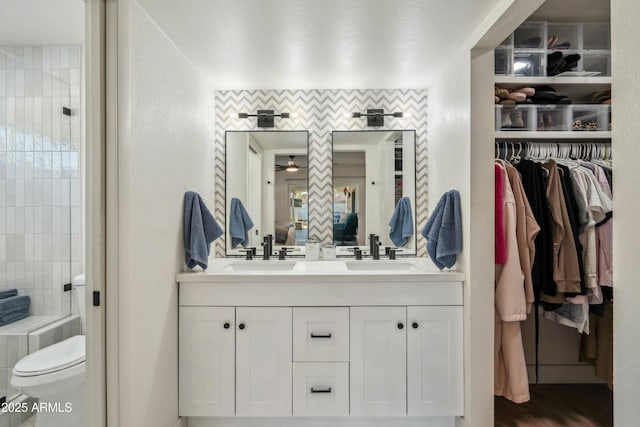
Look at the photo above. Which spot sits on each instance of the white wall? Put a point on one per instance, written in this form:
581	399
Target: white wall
460	156
625	16
165	132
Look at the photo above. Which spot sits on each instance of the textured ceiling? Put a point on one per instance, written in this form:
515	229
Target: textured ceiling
41	22
300	44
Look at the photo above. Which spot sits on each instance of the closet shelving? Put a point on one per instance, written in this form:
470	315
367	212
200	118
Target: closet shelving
521	61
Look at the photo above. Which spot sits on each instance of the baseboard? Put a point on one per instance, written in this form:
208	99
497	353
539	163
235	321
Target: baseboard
182	422
563	374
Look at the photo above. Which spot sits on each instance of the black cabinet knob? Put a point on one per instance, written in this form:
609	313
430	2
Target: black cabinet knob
400	325
415	325
226	325
241	326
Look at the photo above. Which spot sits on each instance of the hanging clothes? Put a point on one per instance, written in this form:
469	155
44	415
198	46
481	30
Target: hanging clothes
510	370
526	231
566	271
553	249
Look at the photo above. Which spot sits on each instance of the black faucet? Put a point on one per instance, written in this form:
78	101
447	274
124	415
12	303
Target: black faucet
270	241
282	253
374	246
267	247
250	252
357	252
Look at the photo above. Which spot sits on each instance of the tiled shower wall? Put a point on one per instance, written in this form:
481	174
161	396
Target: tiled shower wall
40	241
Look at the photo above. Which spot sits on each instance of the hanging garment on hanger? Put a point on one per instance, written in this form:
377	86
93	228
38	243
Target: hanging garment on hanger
572	214
510	373
604	233
526	231
500	245
566	271
533	183
587	236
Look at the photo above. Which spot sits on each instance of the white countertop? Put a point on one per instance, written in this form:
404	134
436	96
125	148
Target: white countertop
402	269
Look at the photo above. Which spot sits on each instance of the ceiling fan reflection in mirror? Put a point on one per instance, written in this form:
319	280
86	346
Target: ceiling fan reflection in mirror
291	166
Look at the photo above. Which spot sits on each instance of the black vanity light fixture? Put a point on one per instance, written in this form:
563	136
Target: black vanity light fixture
265	117
375	117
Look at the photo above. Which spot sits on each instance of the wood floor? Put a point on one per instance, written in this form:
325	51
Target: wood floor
558	405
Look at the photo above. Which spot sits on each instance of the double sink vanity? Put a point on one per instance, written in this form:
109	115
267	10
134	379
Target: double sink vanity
340	338
337	338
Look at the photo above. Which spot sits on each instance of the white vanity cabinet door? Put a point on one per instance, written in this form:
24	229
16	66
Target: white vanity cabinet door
207	361
435	361
263	361
378	361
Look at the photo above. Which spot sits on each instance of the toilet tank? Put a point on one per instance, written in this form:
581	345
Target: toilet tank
79	286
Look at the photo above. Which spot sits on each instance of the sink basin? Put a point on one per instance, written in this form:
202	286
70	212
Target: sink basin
266	266
380	266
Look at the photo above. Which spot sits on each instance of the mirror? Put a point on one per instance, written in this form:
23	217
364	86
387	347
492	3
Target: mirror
372	171
268	172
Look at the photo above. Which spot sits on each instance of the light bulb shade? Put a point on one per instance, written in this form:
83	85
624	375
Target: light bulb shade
284	115
356	115
398	114
243	115
292	168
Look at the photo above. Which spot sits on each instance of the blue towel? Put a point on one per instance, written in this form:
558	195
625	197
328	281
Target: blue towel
239	224
200	229
13	316
6	293
11	304
443	231
401	223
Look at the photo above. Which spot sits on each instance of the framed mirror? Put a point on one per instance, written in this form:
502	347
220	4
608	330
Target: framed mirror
267	174
372	171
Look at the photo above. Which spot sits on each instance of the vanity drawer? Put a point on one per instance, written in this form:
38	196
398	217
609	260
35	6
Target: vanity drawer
321	334
320	389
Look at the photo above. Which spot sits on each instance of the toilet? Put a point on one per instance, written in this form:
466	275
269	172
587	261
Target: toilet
55	375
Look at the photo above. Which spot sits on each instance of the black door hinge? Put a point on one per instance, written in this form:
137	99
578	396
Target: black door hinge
96	298
66	287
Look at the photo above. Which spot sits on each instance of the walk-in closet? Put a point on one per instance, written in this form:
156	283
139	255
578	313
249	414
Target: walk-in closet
554	215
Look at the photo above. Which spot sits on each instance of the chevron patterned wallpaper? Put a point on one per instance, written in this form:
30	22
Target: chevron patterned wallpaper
321	112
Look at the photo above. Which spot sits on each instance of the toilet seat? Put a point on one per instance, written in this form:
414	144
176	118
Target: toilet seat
53	358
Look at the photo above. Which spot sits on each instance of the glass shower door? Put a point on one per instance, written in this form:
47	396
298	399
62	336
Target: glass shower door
39	197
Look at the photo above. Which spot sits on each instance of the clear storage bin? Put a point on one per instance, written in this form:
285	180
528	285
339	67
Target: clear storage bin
508	42
600	63
503	61
552	118
515	118
530	35
566	36
596	36
588	117
529	64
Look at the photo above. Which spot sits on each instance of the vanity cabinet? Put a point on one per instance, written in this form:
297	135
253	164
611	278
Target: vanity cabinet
371	345
406	360
434	361
378	361
232	368
263	361
207	383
